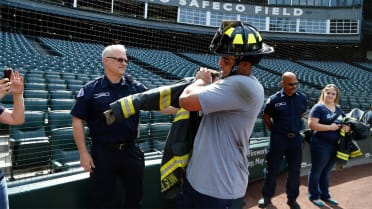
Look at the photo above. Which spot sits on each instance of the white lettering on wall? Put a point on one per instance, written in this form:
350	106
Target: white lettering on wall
257	10
275	11
205	4
240	8
194	3
297	12
216	6
255	153
233	7
285	13
182	3
227	7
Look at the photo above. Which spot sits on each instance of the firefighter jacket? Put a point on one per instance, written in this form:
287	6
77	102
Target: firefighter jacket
347	148
359	129
177	152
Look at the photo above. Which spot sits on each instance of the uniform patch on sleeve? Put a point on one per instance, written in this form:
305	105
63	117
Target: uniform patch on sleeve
81	93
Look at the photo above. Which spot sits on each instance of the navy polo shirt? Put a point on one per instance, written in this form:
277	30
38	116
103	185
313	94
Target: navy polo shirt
95	98
286	111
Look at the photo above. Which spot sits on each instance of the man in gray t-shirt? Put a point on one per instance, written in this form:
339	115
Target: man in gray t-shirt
218	170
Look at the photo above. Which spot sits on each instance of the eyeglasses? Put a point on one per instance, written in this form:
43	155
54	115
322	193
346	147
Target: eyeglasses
120	59
293	84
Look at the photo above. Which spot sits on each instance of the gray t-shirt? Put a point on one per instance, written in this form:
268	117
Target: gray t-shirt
219	163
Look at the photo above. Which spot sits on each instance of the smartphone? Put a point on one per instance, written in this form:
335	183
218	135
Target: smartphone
7	73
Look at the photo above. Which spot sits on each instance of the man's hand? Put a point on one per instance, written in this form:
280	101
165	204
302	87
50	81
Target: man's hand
86	162
204	74
16	83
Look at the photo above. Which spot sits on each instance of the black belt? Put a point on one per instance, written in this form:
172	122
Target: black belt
117	146
292	135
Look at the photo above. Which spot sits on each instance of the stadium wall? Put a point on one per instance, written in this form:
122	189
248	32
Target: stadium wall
72	191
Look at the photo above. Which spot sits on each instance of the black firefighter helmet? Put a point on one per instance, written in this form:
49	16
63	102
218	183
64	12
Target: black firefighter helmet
241	40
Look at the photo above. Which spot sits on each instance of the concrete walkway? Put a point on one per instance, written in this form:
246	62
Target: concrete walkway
351	187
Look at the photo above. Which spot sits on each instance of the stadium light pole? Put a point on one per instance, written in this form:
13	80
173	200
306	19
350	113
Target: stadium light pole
146	9
112	6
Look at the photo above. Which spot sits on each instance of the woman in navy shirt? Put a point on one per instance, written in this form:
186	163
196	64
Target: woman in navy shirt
326	124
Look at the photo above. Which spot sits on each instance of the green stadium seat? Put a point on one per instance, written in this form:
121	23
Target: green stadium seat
64	153
61	104
36	104
36	86
56	86
28	142
32	93
61	94
158	117
159	131
58	119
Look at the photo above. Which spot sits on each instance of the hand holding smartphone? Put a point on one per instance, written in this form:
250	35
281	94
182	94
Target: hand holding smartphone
7	73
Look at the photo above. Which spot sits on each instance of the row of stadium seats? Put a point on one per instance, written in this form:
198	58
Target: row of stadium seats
74	55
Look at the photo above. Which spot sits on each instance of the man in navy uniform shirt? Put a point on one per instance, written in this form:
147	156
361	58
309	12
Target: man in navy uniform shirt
114	152
283	117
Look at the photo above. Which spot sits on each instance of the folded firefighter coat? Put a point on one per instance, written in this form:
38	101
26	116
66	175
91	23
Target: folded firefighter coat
347	148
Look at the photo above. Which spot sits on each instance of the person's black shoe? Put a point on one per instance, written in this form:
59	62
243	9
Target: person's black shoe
263	202
293	204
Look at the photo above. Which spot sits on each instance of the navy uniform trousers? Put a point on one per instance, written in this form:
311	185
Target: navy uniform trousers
127	164
281	145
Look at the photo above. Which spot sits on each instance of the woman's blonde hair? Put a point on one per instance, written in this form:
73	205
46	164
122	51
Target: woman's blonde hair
324	91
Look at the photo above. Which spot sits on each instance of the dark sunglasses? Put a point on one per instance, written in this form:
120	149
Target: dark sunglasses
293	84
120	59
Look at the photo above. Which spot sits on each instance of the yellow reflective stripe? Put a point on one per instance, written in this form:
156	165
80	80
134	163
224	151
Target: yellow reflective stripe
342	132
259	37
174	163
251	39
181	114
127	107
356	153
342	155
229	31
165	97
238	39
